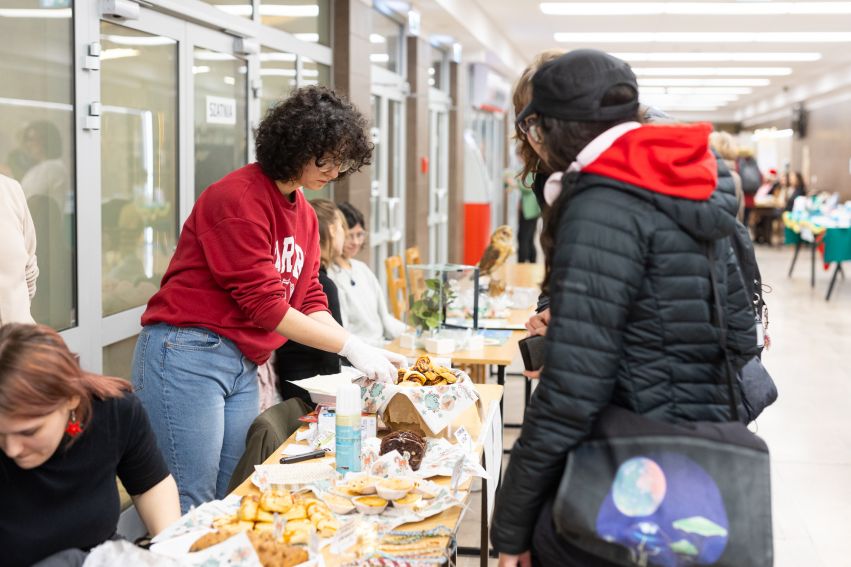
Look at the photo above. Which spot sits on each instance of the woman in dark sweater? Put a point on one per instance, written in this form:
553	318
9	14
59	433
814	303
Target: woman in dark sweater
295	361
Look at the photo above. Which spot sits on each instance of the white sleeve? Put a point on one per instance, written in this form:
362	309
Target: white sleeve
392	326
30	243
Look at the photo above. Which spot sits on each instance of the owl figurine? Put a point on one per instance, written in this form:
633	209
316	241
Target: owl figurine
495	255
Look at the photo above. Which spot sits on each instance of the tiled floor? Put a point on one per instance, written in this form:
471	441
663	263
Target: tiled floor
809	428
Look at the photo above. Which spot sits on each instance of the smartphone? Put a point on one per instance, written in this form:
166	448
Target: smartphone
533	351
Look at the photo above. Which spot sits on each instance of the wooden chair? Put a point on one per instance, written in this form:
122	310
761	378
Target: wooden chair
412	255
397	287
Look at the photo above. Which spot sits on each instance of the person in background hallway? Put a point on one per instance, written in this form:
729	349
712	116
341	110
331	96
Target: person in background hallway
294	361
65	435
725	146
245	278
362	301
527	220
46	184
770	193
18	262
796	188
751	177
626	199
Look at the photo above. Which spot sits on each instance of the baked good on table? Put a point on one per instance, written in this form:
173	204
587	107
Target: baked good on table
405	442
425	373
301	513
270	552
276	500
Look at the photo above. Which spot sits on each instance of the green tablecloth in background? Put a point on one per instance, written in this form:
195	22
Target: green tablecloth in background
837	243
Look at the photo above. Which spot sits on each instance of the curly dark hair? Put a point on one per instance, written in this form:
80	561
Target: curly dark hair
314	123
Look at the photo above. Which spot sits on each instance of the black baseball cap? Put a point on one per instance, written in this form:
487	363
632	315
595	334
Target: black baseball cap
573	86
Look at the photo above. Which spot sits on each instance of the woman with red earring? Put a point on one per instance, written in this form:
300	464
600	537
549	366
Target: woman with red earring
64	437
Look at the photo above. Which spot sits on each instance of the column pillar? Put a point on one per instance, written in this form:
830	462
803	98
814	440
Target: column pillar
458	93
351	68
417	146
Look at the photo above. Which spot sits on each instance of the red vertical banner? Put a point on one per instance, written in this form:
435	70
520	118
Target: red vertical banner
477	231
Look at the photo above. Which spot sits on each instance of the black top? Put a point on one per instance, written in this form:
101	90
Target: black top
72	501
295	361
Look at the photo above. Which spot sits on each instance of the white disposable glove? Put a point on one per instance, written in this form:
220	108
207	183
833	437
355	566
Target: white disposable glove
370	360
395	358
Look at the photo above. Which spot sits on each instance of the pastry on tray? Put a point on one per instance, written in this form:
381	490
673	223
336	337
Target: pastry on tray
425	373
301	513
271	553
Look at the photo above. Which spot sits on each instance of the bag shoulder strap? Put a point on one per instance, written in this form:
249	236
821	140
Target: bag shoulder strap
722	326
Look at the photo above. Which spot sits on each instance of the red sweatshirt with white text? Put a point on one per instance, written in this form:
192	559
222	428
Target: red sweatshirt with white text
246	254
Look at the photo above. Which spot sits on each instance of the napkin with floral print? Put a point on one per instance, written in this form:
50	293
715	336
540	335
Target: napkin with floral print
437	406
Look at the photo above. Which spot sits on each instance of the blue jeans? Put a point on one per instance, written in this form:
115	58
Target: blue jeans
201	395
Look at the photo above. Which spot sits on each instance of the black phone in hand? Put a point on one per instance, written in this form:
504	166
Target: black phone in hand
533	351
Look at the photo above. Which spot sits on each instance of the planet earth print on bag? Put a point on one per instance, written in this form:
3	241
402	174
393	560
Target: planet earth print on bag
666	510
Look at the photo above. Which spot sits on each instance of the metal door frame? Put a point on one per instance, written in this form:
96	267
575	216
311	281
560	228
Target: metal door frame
389	238
438	181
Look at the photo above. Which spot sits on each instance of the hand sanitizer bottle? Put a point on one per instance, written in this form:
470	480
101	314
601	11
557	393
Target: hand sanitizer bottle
348	428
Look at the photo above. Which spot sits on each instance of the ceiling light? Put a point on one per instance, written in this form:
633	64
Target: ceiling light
771	134
377	38
699	82
277	56
309	37
290	11
236	9
693	8
675	110
702	37
712	71
697	90
146	41
212	56
118	53
379	57
284	11
199	69
35	104
277	72
35	13
229	80
691	57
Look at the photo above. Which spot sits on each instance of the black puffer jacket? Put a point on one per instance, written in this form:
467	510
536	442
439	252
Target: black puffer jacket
631	305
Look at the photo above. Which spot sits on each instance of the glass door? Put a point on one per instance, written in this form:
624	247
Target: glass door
388	171
220	96
438	179
174	120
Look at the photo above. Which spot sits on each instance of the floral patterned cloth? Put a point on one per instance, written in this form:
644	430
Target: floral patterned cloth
438	406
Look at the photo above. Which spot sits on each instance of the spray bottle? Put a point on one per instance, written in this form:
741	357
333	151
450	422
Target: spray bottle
348	428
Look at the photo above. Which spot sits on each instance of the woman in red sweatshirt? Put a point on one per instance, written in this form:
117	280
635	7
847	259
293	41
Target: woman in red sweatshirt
244	280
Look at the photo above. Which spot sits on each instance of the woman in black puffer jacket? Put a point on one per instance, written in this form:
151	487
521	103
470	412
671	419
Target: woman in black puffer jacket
628	277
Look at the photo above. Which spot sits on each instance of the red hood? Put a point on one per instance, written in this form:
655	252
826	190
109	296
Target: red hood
671	159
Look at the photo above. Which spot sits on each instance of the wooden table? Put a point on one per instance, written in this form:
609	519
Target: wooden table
489	394
524	275
497	355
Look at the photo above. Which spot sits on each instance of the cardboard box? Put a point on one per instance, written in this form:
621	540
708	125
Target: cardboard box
400	414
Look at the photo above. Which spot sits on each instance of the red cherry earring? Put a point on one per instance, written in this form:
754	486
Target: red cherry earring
73	428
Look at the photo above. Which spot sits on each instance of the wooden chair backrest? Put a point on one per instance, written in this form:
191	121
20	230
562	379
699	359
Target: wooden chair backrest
412	255
397	286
